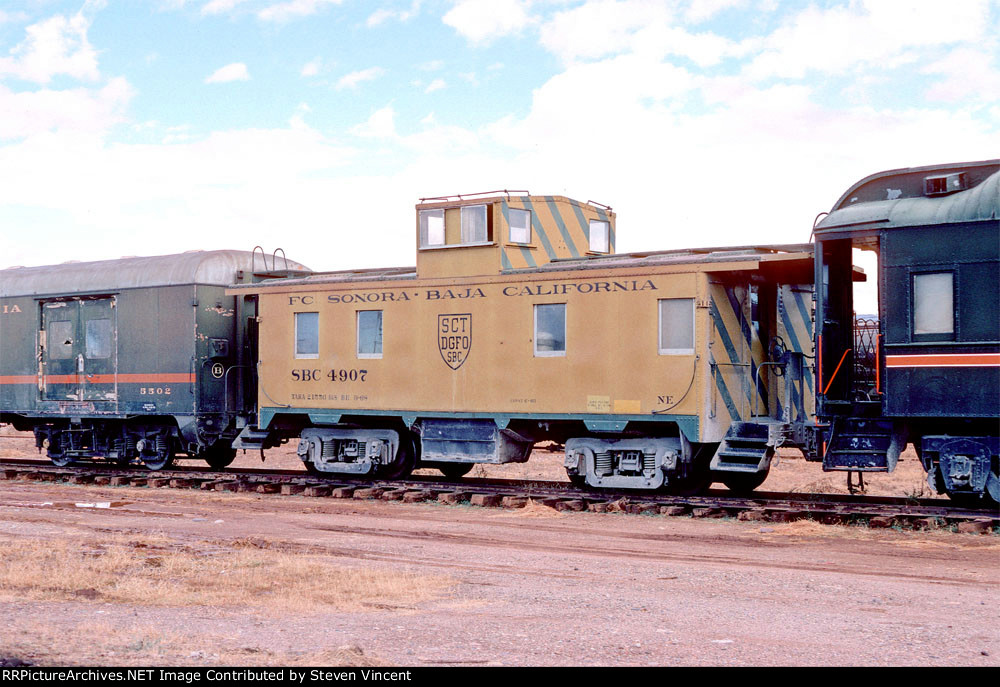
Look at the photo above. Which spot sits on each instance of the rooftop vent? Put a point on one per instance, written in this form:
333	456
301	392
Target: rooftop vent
945	184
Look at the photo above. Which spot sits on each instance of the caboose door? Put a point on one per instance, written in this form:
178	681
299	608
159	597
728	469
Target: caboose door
79	350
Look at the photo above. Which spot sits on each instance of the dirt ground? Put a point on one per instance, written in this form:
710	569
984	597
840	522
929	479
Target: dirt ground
118	576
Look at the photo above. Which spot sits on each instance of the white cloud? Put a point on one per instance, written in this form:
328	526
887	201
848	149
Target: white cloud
969	75
312	67
380	125
482	21
382	15
599	28
237	71
227	190
31	113
354	78
435	85
866	32
285	11
220	6
55	46
702	10
10	17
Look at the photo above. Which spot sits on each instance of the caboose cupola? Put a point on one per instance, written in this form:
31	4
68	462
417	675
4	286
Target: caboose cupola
495	232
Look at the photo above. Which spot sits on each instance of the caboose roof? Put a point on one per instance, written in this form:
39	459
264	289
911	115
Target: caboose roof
215	267
797	257
897	198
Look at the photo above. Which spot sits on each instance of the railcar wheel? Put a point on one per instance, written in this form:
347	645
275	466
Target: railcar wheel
218	455
455	470
404	463
56	453
578	481
967	500
158	456
742	483
61	460
692	485
158	462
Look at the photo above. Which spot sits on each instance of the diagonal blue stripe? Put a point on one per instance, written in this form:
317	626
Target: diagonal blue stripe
807	321
536	226
793	339
570	243
584	226
720	384
504	260
528	257
720	327
748	337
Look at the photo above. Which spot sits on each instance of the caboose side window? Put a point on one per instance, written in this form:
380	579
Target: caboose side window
474	224
550	330
307	335
369	333
599	232
520	226
933	303
676	326
431	228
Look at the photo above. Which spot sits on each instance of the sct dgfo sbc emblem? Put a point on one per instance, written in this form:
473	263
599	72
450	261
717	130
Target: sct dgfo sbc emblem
455	338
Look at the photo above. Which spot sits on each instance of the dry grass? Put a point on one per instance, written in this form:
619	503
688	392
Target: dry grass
150	572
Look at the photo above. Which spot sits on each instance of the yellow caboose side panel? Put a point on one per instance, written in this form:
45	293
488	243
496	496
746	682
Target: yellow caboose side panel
468	346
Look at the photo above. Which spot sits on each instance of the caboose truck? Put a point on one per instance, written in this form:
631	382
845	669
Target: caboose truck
520	324
133	360
933	375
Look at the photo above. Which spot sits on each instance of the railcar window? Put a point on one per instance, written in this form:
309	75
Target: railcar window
933	303
369	333
98	338
599	231
474	224
550	330
59	339
431	228
307	335
676	326
520	226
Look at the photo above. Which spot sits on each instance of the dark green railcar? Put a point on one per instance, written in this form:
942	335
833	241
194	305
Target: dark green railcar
134	360
931	375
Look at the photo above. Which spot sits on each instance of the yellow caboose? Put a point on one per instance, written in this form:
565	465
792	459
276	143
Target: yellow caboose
520	324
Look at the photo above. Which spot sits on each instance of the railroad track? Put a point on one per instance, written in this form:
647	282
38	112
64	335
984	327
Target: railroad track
506	493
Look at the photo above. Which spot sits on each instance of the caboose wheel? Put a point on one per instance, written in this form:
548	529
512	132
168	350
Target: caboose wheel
404	463
742	483
455	470
691	485
218	455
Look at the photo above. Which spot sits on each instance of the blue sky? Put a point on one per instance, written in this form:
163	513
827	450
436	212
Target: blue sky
131	128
